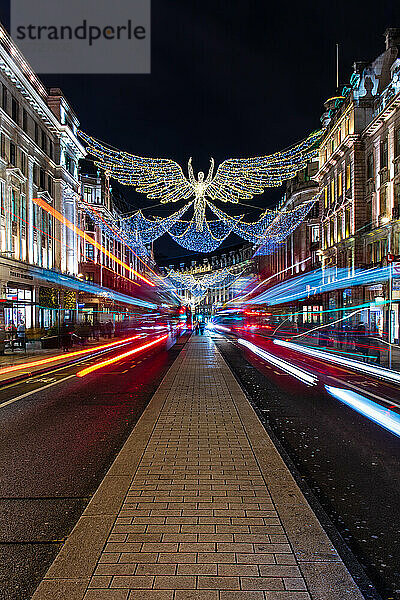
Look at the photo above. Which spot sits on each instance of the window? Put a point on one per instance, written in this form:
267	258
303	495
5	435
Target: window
369	254
14	110
370	166
348	176
87	193
14	207
396	201
69	164
23	162
346	126
4	98
42	181
12	154
89	225
24	120
332	191
51	149
43	144
384	154
348	221
35	174
326	196
383	201
89	251
340	184
315	233
36	133
397	142
23	211
50	184
3	145
2	197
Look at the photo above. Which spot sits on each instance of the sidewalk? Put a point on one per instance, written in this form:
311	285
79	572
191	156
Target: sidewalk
198	505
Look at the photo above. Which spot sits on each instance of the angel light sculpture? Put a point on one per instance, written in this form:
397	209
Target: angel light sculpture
235	178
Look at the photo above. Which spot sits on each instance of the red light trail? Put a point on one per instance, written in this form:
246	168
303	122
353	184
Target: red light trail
115	359
59	357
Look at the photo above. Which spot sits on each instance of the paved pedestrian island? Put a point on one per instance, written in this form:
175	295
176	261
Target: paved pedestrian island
198	505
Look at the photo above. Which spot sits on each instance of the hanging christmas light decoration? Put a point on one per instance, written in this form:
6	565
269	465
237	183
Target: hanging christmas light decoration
199	285
235	179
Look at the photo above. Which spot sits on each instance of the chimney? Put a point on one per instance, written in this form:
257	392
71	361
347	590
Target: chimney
392	37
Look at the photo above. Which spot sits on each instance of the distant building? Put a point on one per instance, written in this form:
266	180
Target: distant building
237	260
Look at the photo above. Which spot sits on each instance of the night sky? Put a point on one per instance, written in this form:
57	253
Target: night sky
232	78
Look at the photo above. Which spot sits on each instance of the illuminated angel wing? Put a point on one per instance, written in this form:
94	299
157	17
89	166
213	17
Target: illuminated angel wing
242	178
160	178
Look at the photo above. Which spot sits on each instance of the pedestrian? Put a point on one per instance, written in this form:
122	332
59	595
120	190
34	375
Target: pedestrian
65	334
21	335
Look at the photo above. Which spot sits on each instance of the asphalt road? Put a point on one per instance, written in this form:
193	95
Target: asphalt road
55	447
350	464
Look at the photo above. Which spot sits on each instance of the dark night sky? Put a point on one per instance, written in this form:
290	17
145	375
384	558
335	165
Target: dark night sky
231	78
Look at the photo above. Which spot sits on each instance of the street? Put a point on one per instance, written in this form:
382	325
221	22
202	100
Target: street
56	445
349	463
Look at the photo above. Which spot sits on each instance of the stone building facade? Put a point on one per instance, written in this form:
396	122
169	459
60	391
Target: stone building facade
39	154
359	180
48	274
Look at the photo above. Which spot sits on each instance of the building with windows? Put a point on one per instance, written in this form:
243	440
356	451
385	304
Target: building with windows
100	215
359	180
39	154
48	272
299	253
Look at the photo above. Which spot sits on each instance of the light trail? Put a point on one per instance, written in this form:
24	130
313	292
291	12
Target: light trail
57	215
380	372
115	359
53	359
237	299
380	415
289	368
219	327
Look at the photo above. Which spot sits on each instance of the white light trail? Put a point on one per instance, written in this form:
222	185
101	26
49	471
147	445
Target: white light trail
380	415
380	372
289	368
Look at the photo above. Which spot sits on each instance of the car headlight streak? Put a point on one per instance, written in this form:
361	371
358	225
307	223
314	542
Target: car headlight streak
380	372
380	415
300	374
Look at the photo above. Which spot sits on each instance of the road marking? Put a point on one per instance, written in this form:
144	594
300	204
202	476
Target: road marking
44	387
